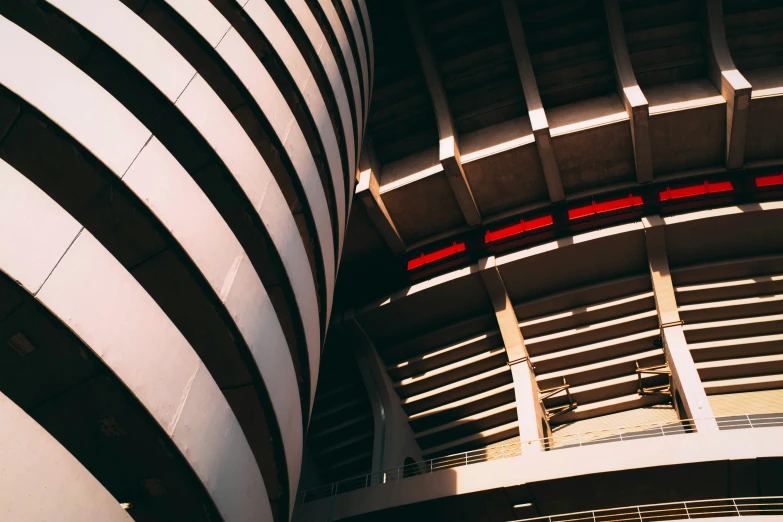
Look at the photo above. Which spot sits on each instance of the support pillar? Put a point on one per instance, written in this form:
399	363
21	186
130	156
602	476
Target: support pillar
686	383
530	413
448	144
633	98
734	88
394	439
368	191
535	108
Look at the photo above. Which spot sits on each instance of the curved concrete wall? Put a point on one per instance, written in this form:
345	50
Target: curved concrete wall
79	281
34	465
67	268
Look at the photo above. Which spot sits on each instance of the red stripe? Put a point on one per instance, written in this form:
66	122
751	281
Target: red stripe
605	206
695	190
769	181
425	259
517	228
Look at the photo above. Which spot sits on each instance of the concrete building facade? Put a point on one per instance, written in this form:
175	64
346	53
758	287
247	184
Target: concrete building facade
175	179
560	280
558	228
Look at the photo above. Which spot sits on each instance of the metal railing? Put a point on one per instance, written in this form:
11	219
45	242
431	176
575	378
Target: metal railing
724	507
555	442
756	420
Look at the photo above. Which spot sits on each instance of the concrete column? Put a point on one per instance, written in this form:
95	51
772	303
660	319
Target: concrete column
394	439
368	191
634	100
685	378
448	146
535	108
530	413
40	480
734	88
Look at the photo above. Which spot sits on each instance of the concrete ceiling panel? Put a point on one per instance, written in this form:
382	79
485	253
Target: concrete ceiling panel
747	232
572	264
435	307
596	156
424	207
765	137
508	179
688	139
470	336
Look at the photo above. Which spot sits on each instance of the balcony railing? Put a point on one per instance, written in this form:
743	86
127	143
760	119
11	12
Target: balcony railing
724	507
555	442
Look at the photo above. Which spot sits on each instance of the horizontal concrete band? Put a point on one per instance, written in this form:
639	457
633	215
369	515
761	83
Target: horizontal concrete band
268	23
550	466
182	208
65	268
206	20
340	35
361	48
34	465
365	18
566	242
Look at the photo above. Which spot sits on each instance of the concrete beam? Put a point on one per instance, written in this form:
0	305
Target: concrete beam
535	108
634	100
734	88
530	414
448	147
685	377
394	440
368	191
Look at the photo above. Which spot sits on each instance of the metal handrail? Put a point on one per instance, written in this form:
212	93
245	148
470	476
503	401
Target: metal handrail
738	506
555	442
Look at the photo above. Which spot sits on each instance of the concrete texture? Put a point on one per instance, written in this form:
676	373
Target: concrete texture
173	261
394	441
589	321
268	23
448	146
353	70
368	190
675	76
535	107
530	413
542	470
631	94
156	177
35	464
89	290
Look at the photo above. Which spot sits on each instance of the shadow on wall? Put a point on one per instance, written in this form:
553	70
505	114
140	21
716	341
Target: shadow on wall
410	468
